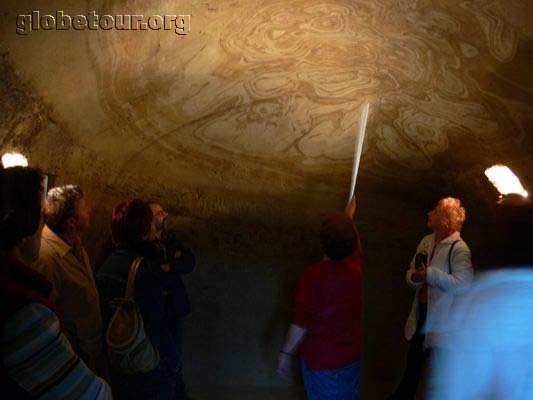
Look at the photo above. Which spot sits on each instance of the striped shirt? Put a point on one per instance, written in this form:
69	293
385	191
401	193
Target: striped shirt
39	358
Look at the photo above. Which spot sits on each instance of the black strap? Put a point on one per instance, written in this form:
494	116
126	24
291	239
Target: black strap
450	256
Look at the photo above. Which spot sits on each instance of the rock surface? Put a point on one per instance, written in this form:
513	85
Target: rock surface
244	130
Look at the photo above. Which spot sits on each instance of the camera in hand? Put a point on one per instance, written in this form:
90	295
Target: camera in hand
421	258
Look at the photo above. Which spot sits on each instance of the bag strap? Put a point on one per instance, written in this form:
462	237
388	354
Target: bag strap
450	256
130	287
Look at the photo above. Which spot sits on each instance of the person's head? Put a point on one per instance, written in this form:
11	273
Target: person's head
21	201
131	223
447	216
160	218
66	211
338	236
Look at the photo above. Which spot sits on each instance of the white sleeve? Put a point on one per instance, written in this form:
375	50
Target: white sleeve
462	272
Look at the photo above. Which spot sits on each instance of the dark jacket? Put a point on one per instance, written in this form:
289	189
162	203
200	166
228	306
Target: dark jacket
163	252
150	289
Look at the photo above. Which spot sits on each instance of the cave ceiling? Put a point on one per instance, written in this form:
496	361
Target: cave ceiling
268	94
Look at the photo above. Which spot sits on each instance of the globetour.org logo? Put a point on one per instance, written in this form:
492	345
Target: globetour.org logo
34	21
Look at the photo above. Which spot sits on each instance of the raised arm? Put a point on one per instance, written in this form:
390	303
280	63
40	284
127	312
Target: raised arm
349	211
351	207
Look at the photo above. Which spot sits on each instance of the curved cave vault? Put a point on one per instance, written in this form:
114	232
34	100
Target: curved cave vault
244	130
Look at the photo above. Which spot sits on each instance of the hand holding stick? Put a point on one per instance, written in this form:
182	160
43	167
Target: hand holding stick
349	211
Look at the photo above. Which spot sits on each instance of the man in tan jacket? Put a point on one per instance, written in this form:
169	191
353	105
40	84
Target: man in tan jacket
65	263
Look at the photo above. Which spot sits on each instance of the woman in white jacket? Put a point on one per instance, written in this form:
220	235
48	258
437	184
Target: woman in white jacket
445	265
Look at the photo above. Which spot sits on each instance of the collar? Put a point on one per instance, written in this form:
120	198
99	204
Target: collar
452	238
57	244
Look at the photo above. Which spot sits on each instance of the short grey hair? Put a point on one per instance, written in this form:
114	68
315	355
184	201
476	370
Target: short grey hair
60	205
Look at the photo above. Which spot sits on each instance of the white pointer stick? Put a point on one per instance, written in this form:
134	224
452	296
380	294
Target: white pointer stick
358	148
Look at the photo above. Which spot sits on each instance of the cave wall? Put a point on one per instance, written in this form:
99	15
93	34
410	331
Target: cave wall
243	130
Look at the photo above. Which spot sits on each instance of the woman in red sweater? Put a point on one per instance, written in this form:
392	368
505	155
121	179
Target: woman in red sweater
326	323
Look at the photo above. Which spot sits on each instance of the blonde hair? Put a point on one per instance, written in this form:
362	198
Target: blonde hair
455	213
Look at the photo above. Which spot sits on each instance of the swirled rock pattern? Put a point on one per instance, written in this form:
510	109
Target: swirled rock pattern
281	83
285	81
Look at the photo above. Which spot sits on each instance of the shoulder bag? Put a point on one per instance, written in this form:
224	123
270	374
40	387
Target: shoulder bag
128	348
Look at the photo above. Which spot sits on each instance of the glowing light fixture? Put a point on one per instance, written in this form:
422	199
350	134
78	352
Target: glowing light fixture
14	160
504	180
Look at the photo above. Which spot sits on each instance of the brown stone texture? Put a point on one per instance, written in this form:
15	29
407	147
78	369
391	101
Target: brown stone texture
244	130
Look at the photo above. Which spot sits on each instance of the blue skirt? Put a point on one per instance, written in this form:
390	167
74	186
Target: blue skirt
334	384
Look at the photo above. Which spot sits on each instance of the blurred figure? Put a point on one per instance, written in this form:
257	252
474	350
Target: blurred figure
65	263
326	324
175	261
441	265
489	339
133	236
37	359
